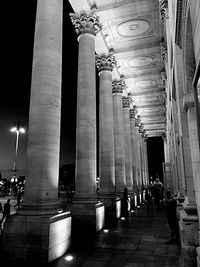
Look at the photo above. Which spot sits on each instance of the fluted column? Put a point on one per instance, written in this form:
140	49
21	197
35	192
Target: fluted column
86	210
141	152
42	167
188	102
138	153
105	65
86	26
134	149
128	151
146	161
35	230
119	139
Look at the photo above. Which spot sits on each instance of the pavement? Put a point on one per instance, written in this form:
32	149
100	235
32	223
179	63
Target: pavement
137	241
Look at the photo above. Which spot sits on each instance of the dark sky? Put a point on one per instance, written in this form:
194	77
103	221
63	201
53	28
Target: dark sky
155	150
18	37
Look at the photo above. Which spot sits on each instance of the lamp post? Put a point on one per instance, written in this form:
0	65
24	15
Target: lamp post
17	129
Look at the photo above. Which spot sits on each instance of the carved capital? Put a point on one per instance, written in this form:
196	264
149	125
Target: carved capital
86	22
118	86
137	122
163	47
179	23
141	128
144	135
163	5
132	113
126	101
164	77
164	95
105	62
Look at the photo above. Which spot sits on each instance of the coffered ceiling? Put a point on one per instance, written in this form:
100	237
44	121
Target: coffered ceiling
134	30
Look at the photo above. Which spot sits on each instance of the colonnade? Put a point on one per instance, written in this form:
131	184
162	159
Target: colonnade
122	153
117	139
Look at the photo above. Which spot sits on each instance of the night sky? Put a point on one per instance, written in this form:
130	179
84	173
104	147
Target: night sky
17	52
18	37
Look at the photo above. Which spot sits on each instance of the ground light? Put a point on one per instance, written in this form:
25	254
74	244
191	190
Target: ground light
132	211
106	230
122	218
69	258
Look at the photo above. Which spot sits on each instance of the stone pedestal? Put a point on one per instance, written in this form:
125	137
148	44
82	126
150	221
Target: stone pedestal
188	225
89	214
112	209
37	239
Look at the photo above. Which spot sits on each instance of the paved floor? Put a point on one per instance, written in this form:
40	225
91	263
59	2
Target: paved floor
138	241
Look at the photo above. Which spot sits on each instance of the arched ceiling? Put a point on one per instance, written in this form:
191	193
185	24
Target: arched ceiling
134	30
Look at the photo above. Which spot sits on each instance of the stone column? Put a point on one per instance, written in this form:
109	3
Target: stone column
40	216
146	161
105	65
188	102
134	150
141	154
119	138
84	206
137	121
141	131
166	157
134	157
187	161
145	158
128	153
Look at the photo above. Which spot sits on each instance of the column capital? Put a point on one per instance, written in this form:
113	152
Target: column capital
126	101
141	128
163	47
137	122
163	5
86	22
164	77
105	62
132	113
118	86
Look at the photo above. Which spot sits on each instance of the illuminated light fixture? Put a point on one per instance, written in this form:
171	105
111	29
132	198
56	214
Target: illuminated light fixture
60	211
132	211
106	230
18	129
138	207
122	218
69	258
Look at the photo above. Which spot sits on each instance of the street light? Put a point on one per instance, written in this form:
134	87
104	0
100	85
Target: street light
17	129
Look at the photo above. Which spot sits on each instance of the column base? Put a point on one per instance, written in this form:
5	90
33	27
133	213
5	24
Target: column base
88	214
36	239
188	226
112	208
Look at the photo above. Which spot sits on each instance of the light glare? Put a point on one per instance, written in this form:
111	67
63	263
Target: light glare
69	258
13	129
22	130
